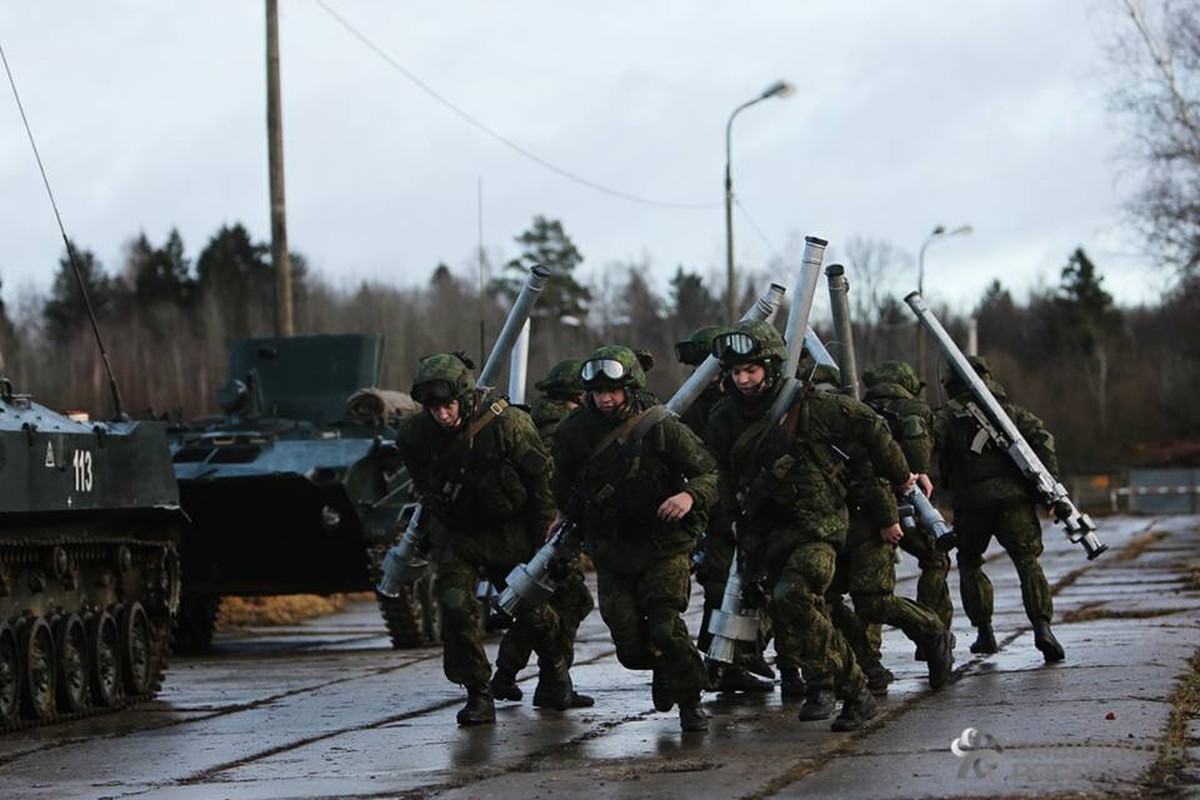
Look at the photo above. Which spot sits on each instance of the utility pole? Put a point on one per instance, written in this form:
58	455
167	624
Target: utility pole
284	325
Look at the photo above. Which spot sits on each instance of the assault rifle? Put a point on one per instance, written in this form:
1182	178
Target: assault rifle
995	425
533	583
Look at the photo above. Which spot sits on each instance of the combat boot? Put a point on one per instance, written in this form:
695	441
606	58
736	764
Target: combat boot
939	650
818	704
855	712
692	718
660	693
479	710
554	687
879	678
919	654
985	642
791	685
1044	640
504	686
736	679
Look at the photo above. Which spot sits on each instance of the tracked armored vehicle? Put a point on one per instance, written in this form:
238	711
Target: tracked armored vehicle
289	492
89	570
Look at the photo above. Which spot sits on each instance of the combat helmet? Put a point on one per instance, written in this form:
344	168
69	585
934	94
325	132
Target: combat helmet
698	345
955	385
613	366
751	342
823	372
442	378
895	372
563	379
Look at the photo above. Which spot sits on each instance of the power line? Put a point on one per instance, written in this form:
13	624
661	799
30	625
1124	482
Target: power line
473	121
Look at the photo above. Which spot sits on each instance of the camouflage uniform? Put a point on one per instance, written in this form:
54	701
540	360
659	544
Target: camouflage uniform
614	492
572	600
489	505
992	498
790	483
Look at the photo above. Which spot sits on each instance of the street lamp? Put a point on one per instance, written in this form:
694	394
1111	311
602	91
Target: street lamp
939	232
779	89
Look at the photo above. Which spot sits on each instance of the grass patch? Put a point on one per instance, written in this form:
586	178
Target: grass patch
1165	777
1139	544
287	609
1098	610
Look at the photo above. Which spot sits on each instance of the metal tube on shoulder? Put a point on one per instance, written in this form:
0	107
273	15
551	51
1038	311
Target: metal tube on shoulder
839	303
520	312
1078	526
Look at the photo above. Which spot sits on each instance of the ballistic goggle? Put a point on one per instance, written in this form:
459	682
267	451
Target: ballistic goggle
732	346
598	368
691	353
437	392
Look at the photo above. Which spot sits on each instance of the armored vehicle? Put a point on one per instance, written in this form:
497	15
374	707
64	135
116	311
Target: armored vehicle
89	571
289	491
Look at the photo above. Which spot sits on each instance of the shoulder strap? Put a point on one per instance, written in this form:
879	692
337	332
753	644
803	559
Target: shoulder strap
632	429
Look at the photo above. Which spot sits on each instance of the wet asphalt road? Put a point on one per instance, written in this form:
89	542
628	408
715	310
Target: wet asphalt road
327	709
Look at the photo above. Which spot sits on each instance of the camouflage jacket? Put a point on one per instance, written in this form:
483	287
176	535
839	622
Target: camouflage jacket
500	479
696	415
910	421
547	412
976	472
614	495
792	492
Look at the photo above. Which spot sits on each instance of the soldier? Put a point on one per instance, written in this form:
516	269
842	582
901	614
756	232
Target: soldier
992	498
483	474
715	551
789	483
893	389
562	393
639	484
866	570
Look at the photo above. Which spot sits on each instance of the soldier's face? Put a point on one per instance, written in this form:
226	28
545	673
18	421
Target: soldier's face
608	400
750	379
445	415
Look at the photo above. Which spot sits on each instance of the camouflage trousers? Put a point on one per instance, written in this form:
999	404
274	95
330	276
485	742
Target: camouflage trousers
571	601
867	572
463	658
804	633
932	590
642	611
1016	527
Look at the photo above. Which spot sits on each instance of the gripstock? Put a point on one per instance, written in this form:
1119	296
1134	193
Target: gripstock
532	583
403	563
1078	526
735	621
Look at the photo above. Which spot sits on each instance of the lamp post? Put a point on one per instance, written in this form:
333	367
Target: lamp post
779	89
939	232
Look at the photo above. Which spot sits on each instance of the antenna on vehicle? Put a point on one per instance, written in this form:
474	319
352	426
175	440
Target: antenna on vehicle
118	412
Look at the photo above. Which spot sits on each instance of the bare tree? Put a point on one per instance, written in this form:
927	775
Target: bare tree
1156	55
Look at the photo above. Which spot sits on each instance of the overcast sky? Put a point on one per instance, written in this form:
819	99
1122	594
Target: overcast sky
907	115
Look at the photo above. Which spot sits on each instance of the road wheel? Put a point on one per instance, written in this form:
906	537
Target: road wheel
137	658
10	676
70	639
40	668
104	646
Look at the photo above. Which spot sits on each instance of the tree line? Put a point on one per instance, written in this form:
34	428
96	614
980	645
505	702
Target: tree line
1106	379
